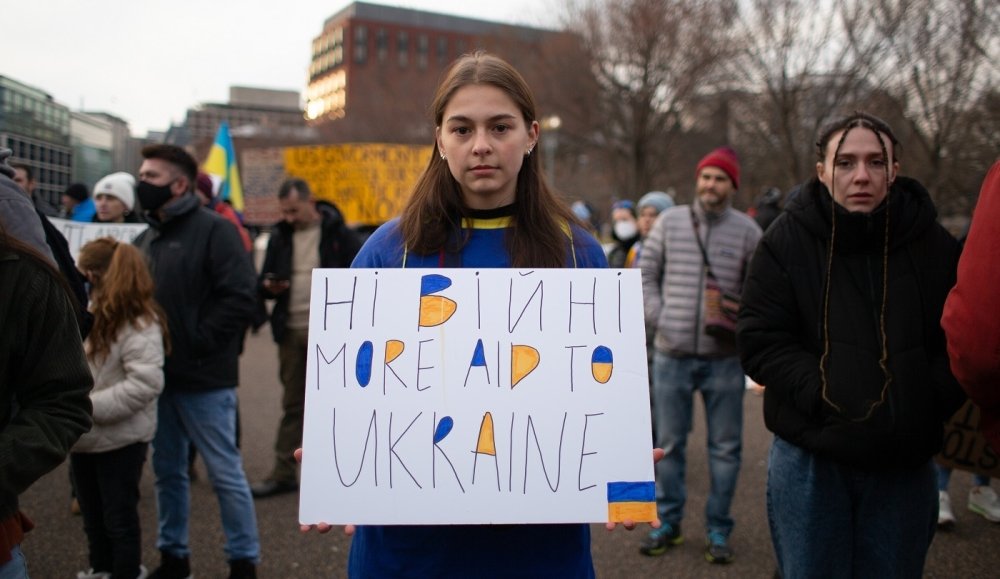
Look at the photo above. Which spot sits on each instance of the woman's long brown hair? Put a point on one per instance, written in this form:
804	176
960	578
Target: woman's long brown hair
122	293
435	210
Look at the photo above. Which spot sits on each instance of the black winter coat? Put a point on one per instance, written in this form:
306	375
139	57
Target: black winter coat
337	247
44	378
866	417
205	284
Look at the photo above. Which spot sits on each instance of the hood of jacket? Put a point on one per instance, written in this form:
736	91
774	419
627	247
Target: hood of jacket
907	208
6	169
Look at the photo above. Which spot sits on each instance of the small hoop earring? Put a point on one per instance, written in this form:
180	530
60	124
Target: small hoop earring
528	152
444	157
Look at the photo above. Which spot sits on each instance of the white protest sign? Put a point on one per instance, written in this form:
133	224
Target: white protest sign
78	233
467	396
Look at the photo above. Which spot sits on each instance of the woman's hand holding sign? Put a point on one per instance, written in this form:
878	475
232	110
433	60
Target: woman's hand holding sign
321	527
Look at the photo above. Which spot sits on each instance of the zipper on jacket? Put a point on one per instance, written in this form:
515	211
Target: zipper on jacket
873	292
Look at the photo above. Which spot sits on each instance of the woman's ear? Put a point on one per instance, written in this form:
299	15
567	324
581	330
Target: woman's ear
437	140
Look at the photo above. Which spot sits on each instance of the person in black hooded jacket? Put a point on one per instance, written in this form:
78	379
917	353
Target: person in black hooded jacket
839	321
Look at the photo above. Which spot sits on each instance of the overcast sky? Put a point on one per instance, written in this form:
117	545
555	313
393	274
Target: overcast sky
148	61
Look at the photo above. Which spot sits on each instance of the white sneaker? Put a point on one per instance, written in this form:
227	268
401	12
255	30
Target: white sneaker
89	574
946	519
983	501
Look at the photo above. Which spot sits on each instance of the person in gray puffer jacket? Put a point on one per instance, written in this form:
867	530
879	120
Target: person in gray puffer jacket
686	358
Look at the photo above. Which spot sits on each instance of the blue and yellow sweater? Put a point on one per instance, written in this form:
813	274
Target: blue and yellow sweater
471	550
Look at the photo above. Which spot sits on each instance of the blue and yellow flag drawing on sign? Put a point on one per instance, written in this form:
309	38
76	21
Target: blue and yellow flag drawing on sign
631	501
222	167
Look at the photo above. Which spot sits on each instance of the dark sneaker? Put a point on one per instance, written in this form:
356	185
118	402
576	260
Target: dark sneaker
172	567
659	540
718	550
242	569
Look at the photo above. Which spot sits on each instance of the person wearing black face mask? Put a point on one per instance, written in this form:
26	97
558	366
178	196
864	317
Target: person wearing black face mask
196	254
153	197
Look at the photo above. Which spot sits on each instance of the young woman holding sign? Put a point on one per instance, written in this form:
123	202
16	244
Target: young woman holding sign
481	202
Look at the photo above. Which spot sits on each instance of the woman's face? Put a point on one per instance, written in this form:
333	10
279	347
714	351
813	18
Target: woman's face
647	217
110	209
857	176
485	139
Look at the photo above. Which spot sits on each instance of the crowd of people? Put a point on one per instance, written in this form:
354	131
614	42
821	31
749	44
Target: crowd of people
832	302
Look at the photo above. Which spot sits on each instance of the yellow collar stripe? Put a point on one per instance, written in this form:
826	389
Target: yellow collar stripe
501	223
495	223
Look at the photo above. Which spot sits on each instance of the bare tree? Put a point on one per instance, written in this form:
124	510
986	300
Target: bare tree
791	74
935	61
649	58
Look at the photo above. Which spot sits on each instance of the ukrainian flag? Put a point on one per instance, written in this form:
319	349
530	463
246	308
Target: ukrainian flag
222	167
631	501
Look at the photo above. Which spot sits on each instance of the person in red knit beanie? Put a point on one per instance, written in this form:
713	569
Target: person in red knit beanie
688	247
724	158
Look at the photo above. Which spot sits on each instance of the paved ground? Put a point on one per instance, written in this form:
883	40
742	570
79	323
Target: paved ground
56	549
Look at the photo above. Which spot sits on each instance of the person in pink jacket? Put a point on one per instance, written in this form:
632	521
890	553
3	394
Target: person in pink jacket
971	318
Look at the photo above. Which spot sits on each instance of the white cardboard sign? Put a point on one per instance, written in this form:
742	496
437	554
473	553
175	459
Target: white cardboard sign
78	233
468	396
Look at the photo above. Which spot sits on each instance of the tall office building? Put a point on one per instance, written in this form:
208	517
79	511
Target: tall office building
92	140
124	152
374	68
250	112
37	129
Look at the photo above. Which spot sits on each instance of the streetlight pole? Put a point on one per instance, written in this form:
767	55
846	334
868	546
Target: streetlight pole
550	143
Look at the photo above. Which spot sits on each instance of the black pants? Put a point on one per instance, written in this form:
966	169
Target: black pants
107	486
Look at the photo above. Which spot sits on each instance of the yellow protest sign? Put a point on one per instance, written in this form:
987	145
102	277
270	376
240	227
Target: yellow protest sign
369	182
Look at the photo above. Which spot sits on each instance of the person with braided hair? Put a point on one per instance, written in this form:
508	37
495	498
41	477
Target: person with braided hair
839	320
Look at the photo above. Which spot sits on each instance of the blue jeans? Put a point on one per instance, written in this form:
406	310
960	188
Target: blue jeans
721	383
944	477
207	419
832	520
17	567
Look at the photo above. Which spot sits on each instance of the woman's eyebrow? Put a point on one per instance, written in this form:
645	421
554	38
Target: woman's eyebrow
466	119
